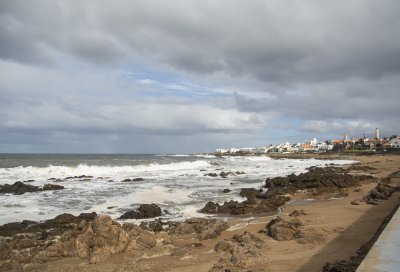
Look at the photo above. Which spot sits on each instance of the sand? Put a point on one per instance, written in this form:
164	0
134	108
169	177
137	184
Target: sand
341	227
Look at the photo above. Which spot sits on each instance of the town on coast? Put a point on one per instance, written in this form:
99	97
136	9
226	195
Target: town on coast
364	144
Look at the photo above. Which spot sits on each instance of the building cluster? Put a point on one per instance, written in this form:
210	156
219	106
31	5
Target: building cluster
313	146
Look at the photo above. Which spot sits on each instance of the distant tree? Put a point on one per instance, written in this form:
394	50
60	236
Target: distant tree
393	137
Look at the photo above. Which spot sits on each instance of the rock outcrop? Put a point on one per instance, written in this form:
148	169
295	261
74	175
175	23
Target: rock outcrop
19	188
318	179
204	228
240	251
282	230
380	192
144	211
92	240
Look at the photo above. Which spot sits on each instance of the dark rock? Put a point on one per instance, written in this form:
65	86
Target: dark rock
319	179
271	204
18	188
226	174
88	216
83	177
231	207
211	175
354	203
250	193
144	211
226	191
282	230
131	180
381	192
50	187
10	229
130	215
29	180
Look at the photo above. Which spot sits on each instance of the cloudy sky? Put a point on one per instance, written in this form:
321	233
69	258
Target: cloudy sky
186	76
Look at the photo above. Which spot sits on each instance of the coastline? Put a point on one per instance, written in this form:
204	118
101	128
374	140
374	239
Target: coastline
342	228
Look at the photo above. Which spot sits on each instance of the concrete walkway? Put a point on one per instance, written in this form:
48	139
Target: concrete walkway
384	255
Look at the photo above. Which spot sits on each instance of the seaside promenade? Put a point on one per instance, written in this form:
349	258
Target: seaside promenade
384	254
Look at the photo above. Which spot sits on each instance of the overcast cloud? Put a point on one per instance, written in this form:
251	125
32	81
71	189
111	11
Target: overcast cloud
184	76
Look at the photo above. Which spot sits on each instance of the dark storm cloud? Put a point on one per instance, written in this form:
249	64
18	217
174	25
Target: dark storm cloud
273	41
330	64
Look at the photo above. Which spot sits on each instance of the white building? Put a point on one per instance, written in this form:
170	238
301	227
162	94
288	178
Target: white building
395	142
221	151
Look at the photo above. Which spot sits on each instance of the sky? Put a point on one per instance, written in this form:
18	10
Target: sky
186	76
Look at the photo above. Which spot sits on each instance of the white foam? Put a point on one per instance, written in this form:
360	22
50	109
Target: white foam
159	194
30	172
179	187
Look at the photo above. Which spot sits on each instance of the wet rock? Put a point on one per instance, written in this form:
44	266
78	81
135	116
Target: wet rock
29	180
380	192
211	175
319	179
83	177
10	229
226	174
231	207
144	211
282	230
271	204
88	216
18	188
250	193
132	180
225	191
50	187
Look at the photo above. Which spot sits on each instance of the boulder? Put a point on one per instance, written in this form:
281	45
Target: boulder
282	230
270	204
226	174
231	207
144	211
18	188
317	178
380	192
50	187
204	228
225	191
131	180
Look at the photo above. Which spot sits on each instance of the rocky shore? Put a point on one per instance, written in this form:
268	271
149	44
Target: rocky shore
276	235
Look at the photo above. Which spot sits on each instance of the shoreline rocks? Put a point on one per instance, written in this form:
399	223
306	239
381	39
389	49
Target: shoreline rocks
318	179
144	211
20	188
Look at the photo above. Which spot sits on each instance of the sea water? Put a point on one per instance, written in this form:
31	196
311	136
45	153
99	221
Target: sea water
177	183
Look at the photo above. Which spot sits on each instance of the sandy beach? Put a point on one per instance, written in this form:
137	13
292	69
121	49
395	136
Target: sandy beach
333	229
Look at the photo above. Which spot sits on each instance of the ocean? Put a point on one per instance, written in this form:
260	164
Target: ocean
177	183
